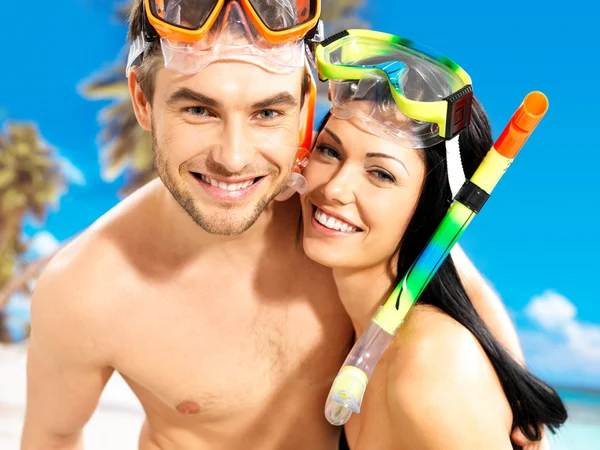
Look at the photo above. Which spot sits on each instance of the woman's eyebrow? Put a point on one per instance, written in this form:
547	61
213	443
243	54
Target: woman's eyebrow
334	136
385	155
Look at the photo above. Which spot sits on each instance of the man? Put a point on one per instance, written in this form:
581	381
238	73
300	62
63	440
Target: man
194	288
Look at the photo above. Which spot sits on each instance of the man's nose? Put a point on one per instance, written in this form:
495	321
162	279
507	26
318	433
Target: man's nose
236	150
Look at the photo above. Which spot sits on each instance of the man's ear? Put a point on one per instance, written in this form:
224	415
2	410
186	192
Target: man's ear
141	105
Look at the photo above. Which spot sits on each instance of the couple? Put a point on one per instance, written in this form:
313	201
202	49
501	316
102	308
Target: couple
228	312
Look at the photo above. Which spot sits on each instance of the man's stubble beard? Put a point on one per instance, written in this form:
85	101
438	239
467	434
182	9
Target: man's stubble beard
223	224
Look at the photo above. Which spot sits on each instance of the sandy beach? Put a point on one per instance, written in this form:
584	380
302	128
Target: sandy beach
120	412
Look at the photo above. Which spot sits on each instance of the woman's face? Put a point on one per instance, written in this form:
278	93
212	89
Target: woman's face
362	193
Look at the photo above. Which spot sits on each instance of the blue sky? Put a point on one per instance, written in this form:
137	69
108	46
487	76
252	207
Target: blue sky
534	240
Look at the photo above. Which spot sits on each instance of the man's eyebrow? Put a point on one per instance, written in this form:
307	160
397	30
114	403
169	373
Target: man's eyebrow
385	155
281	99
187	94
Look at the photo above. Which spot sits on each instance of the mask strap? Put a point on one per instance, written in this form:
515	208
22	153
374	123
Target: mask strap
456	173
136	50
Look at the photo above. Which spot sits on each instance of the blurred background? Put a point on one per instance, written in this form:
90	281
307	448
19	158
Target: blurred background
70	149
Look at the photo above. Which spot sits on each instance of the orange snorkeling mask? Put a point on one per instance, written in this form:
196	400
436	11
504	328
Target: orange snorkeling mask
277	21
194	33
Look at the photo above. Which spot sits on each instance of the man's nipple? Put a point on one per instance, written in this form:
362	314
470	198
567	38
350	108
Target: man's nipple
188	407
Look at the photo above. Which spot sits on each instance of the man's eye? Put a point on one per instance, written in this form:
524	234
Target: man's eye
198	110
268	114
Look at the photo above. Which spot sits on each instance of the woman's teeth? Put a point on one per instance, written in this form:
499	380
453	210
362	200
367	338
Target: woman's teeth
333	223
226	186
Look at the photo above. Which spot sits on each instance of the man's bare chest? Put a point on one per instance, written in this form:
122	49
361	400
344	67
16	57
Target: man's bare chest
213	353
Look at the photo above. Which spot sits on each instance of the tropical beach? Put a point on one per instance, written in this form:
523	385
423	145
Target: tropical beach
71	149
116	423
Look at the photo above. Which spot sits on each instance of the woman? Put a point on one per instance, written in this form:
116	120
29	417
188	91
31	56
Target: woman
378	186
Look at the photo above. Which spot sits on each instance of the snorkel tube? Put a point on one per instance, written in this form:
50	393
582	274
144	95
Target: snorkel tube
296	182
346	394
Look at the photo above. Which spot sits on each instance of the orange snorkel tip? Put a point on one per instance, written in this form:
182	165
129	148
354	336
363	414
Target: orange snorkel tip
522	124
306	133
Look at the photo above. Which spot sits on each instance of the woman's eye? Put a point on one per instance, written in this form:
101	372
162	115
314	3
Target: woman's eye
328	152
382	175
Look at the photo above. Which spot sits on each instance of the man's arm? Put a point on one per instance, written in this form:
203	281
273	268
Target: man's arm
487	303
67	366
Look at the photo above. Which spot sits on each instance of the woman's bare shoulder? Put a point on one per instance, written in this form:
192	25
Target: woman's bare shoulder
430	337
441	385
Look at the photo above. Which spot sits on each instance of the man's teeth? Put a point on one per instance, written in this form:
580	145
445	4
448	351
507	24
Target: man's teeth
227	186
333	223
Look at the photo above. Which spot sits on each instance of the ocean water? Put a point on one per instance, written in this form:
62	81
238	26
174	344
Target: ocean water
582	430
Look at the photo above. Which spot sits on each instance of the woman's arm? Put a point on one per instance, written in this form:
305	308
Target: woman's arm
488	304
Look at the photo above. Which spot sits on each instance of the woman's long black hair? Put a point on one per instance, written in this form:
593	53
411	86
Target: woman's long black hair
533	402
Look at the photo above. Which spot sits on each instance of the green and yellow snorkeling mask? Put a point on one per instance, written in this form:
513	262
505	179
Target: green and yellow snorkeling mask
397	88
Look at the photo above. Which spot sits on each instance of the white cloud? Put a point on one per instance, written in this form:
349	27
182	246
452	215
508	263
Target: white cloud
584	340
561	347
551	310
71	172
43	243
18	307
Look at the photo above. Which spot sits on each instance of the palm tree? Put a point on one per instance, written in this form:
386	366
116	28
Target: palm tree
340	15
125	148
30	181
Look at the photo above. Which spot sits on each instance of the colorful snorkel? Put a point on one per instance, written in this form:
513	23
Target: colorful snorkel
346	394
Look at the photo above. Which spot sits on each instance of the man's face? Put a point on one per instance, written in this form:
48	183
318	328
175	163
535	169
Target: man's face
225	140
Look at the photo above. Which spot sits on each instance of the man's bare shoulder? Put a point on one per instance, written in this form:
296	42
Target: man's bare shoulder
105	248
83	285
